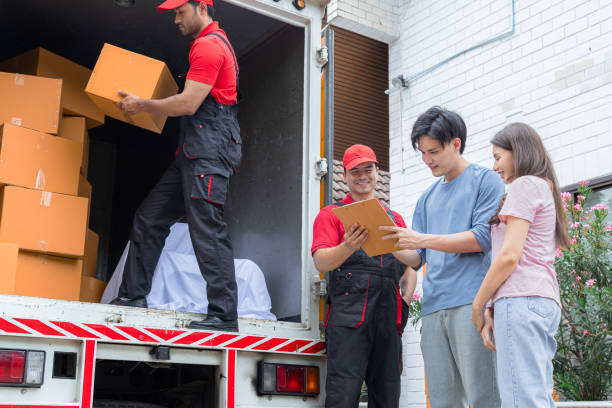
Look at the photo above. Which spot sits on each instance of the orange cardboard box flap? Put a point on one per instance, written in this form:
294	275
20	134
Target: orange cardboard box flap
44	63
371	215
43	221
75	128
91	289
37	160
30	101
33	274
90	260
134	73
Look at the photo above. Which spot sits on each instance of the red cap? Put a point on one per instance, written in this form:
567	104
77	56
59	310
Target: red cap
172	4
358	154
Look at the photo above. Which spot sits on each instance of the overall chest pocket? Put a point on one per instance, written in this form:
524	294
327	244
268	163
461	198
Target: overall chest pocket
348	298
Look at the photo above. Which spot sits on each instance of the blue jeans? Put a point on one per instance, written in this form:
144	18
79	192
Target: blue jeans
525	329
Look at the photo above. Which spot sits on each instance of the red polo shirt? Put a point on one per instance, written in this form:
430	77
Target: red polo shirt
212	63
328	231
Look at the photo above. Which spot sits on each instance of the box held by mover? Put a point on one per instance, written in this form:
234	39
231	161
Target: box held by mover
119	69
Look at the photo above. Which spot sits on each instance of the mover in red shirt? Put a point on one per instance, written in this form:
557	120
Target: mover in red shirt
367	313
196	183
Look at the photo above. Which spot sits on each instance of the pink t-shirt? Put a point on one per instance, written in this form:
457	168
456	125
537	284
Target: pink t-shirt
530	198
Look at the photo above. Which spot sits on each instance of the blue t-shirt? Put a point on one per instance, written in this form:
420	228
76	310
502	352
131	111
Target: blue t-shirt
466	203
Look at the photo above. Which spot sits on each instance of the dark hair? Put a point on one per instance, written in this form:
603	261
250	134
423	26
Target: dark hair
210	10
531	159
440	124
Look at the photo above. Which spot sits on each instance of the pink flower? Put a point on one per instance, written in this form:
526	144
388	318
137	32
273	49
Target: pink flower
578	207
416	296
581	198
573	285
601	326
587	226
609	227
583	182
566	196
558	253
574	225
586	332
573	241
577	278
600	207
573	272
590	282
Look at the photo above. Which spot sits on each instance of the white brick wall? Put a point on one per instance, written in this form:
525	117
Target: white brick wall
371	18
554	73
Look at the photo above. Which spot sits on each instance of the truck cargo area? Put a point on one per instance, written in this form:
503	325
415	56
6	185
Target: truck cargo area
265	206
138	384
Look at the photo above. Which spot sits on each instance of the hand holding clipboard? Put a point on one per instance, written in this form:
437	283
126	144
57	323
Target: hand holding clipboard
371	215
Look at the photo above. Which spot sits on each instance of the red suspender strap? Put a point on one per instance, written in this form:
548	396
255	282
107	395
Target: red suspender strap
399	309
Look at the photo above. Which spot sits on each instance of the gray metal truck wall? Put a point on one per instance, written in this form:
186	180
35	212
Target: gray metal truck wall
264	209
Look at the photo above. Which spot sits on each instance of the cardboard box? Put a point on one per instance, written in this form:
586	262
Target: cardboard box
43	221
30	101
119	69
75	128
91	289
33	274
39	161
85	188
44	63
85	191
90	260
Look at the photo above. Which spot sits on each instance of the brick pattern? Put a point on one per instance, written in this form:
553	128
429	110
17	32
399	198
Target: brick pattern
375	19
554	73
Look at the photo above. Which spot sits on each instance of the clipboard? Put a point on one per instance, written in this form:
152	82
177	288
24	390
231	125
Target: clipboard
371	215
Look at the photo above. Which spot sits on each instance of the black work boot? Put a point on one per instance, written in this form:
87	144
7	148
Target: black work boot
136	302
215	323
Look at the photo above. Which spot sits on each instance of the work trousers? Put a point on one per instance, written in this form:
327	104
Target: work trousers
365	346
184	191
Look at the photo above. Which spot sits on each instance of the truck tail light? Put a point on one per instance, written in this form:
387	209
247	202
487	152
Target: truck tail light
287	379
12	366
22	367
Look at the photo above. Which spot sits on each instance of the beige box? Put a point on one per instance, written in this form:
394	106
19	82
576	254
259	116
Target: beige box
92	289
39	161
26	273
90	260
119	69
44	63
30	101
42	221
75	128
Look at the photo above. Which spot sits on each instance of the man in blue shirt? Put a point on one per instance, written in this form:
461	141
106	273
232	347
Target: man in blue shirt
450	233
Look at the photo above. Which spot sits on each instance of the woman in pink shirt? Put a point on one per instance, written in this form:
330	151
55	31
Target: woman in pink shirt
520	288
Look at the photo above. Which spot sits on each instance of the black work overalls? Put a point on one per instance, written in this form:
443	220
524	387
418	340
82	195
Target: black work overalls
196	186
364	325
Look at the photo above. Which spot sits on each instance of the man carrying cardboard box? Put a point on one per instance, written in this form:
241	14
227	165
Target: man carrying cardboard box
196	183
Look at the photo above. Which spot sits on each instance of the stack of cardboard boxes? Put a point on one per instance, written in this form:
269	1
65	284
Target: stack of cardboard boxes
46	248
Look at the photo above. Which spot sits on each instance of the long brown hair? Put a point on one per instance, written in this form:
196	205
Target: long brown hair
531	159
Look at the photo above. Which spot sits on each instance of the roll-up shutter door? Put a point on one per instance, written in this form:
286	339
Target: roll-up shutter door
361	108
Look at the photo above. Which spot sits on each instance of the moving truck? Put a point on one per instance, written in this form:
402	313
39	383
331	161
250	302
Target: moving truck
60	353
